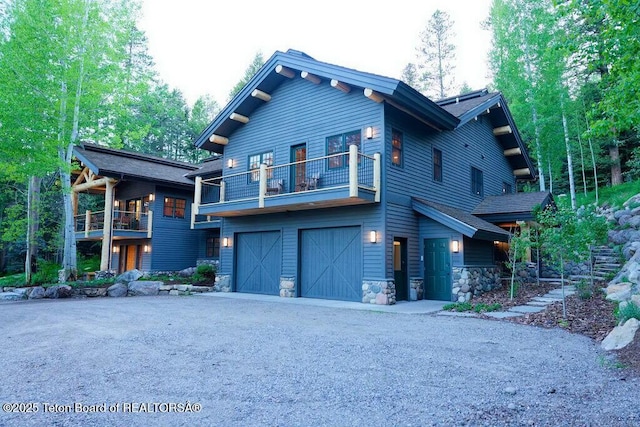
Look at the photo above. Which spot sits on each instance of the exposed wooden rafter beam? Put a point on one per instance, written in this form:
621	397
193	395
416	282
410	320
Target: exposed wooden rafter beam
92	184
522	172
82	175
239	118
340	86
502	130
219	139
311	77
284	71
257	93
513	152
373	95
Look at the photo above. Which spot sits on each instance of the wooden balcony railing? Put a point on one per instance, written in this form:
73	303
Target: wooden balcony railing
122	220
352	170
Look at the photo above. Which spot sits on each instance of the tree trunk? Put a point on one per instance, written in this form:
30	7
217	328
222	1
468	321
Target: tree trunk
33	224
534	115
567	142
616	169
595	170
584	174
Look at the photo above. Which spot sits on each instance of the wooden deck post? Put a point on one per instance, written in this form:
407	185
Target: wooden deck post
353	170
376	175
149	224
87	223
263	185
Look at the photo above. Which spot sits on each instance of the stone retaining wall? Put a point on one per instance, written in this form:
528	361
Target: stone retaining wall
381	292
287	286
472	280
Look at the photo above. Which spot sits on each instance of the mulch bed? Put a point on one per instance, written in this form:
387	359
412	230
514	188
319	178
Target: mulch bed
592	316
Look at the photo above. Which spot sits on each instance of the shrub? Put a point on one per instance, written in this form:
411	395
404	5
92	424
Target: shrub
204	273
627	310
47	273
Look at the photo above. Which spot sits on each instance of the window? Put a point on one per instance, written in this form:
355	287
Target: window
437	165
174	208
255	160
340	144
396	148
476	182
213	247
506	188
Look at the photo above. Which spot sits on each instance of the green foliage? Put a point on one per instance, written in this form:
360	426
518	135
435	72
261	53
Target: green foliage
613	195
584	288
468	306
17	280
252	69
436	56
89	264
625	311
47	273
204	273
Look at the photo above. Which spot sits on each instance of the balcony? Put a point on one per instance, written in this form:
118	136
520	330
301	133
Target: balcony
124	224
343	179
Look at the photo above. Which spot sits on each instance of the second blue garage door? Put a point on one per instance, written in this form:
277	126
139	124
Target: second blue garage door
331	263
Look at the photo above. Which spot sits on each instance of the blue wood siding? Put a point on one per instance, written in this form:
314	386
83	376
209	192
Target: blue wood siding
290	224
302	112
174	246
330	263
478	252
127	190
473	145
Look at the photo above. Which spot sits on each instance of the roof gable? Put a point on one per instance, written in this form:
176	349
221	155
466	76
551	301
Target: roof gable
294	64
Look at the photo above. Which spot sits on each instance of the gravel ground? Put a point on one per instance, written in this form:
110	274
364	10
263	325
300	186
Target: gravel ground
254	363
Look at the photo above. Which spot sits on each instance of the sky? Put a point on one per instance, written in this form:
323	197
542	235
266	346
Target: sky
204	46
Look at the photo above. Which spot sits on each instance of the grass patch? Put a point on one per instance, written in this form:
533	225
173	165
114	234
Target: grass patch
16	280
625	311
614	196
467	306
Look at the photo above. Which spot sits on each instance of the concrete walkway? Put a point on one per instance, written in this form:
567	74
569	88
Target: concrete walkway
403	307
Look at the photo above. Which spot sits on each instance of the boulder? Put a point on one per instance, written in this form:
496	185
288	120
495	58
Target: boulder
118	290
11	296
635	200
37	292
58	291
621	336
619	292
144	288
129	276
620	213
187	272
94	292
634	221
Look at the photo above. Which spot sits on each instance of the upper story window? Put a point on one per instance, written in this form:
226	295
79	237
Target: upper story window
340	144
437	165
255	160
174	207
396	147
506	188
477	185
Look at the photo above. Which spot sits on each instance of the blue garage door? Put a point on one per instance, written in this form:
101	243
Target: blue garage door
331	263
258	258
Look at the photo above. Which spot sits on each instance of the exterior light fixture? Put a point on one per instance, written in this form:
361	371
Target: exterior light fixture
115	249
146	248
151	197
455	246
230	163
369	132
116	203
373	236
225	242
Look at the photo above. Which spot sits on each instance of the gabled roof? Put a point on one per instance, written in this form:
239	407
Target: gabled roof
512	207
471	105
210	167
127	165
460	221
267	79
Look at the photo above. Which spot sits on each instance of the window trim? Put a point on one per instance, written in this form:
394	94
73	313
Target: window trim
254	173
399	148
213	243
506	186
437	166
477	185
339	162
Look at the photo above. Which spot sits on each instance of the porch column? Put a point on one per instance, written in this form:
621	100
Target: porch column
353	170
263	185
107	227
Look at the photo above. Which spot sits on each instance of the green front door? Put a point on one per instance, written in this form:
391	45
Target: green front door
437	269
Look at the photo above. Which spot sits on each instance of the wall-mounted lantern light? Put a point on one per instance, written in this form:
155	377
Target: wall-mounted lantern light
368	132
225	242
115	249
147	248
455	246
373	236
230	163
151	197
116	203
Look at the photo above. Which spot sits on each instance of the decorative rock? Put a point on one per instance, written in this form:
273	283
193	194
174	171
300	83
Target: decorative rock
174	292
144	288
465	288
382	299
11	296
21	291
619	292
413	294
118	290
37	292
511	390
94	292
166	288
183	287
201	289
58	291
129	276
635	299
187	272
621	336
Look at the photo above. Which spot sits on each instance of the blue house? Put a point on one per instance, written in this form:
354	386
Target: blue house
341	184
147	221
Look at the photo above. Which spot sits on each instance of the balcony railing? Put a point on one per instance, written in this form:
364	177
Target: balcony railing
121	221
352	170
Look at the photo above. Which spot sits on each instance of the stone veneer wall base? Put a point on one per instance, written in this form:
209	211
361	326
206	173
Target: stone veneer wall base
288	286
471	280
379	291
222	283
416	289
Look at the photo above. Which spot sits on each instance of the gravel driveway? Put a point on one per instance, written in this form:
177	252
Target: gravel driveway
217	361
